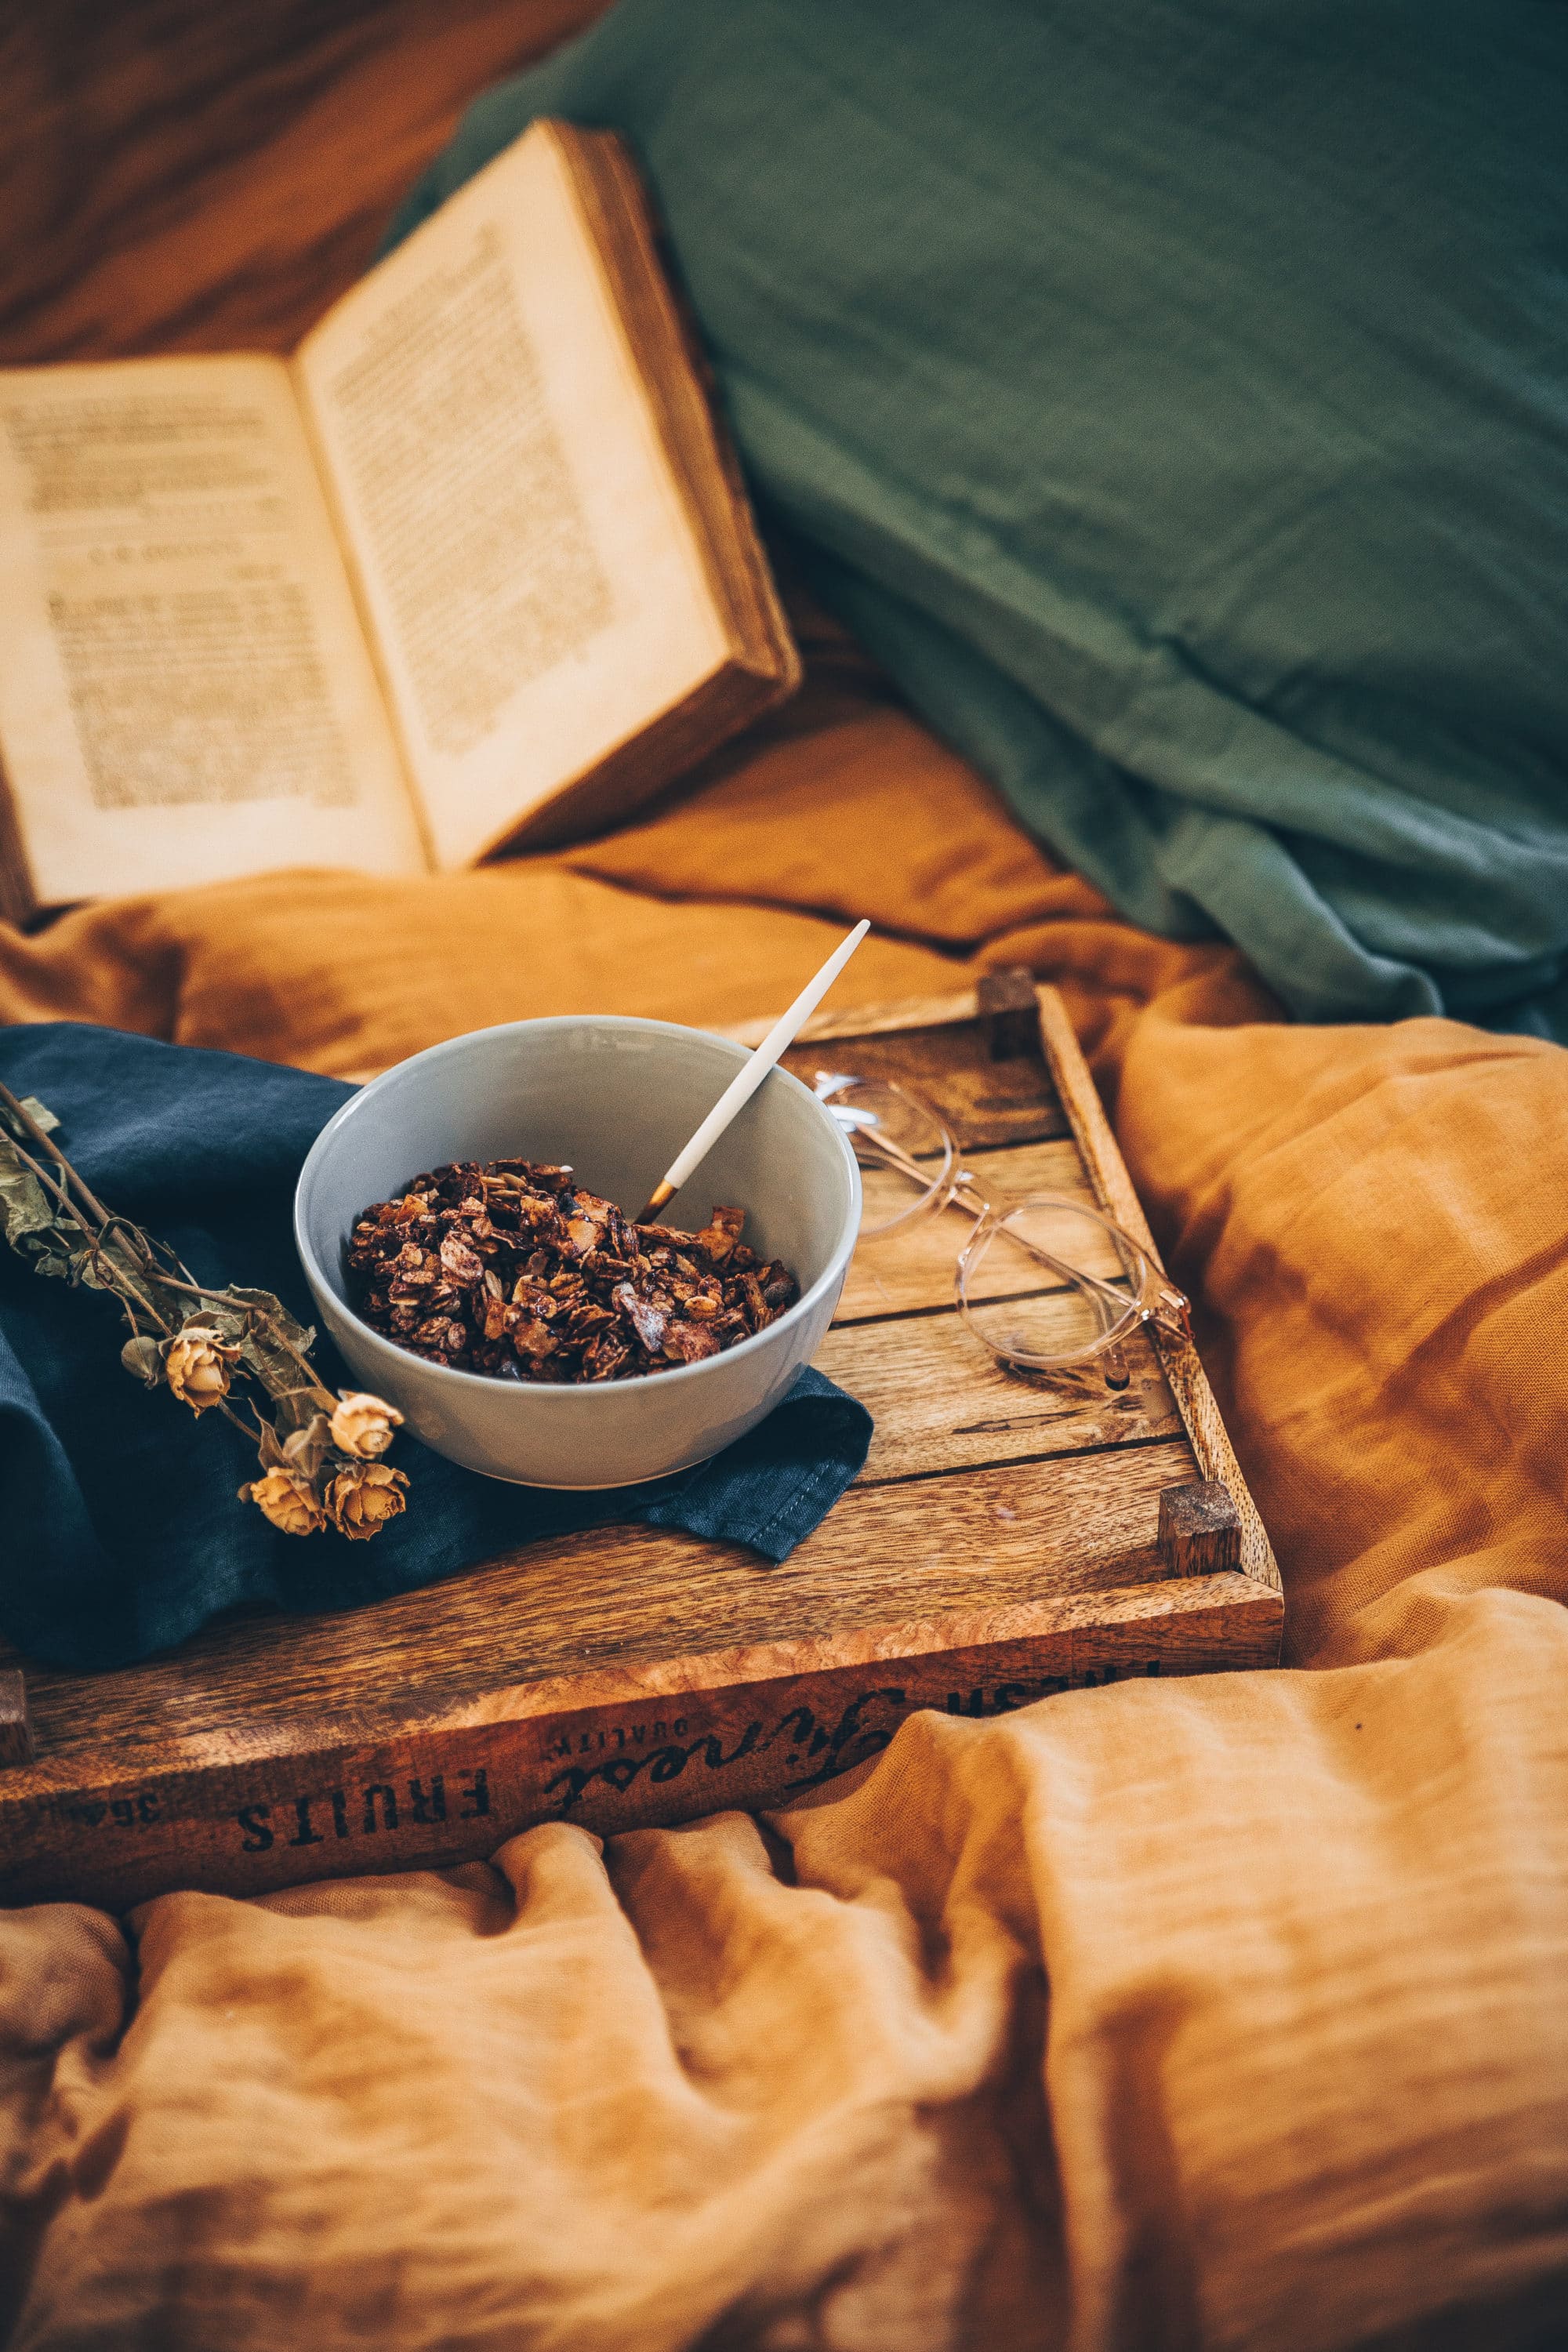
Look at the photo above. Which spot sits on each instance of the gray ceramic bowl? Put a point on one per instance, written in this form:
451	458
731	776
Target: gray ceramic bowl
614	1099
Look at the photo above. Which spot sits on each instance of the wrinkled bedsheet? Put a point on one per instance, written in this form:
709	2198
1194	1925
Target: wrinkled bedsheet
1220	2013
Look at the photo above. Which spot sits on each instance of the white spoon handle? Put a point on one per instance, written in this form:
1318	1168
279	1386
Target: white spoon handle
747	1079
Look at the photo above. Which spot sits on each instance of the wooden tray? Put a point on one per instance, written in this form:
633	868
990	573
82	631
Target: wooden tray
1004	1541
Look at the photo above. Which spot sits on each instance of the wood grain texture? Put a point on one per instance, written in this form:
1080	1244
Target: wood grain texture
643	1747
1009	1012
1106	1172
912	1549
911	1270
987	1104
1200	1528
865	1021
941	1402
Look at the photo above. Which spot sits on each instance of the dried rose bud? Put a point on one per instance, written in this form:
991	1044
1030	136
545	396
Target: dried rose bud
362	1425
197	1366
362	1497
288	1501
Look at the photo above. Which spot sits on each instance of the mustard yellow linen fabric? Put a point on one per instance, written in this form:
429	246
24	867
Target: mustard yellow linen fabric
1223	2014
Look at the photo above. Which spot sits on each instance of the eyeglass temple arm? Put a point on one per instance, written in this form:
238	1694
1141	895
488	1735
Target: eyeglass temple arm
1172	1311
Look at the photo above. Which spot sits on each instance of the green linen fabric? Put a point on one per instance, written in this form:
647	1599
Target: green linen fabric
1175	398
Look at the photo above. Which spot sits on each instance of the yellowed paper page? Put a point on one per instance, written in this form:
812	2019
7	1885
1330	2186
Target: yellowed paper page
534	590
184	689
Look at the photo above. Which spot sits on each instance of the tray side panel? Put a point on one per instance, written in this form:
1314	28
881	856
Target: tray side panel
445	1793
1107	1172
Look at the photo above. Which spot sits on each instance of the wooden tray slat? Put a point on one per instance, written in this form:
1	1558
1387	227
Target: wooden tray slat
761	1725
940	1404
1107	1172
925	1548
987	1103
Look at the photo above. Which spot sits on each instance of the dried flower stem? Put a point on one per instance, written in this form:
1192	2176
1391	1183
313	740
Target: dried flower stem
38	1134
316	1453
123	1285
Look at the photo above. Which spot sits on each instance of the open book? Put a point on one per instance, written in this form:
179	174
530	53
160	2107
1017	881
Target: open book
474	566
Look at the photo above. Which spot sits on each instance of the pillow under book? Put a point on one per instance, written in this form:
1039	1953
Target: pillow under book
1175	397
122	1531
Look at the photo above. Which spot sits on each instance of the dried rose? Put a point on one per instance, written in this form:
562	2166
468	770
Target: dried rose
289	1501
197	1366
362	1424
363	1497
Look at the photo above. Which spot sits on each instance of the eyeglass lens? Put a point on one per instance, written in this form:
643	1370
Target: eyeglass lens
1046	1282
906	1155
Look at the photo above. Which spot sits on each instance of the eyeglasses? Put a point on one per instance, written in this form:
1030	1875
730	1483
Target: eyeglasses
1046	1283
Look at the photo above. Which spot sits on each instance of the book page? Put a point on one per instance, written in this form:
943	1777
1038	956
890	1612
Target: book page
184	689
533	590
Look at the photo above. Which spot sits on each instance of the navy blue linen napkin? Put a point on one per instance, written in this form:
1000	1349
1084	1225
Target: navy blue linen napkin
121	1531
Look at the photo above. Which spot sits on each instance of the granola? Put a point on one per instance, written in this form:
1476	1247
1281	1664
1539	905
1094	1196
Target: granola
512	1270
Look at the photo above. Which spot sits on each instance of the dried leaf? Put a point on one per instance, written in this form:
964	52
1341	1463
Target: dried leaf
296	1407
24	1206
272	1341
50	1255
230	1328
306	1448
262	1302
272	1455
210	1336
